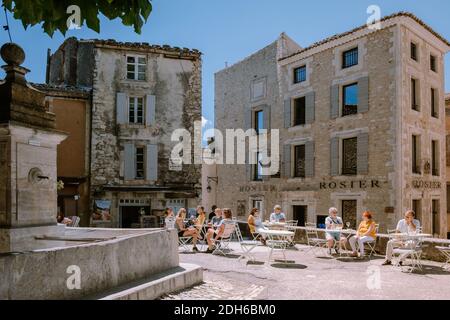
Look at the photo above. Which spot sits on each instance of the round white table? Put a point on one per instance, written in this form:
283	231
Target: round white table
277	240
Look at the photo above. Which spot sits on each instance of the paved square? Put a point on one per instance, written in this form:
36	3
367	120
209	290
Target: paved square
308	276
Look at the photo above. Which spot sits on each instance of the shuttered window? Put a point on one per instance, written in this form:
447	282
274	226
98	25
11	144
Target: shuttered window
350	99
136	110
434	104
435	158
350	156
416	154
414	55
299	111
140	163
299	160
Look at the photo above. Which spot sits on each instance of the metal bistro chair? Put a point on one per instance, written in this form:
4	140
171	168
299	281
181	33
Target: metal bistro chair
445	251
75	222
373	244
312	236
223	243
247	246
413	251
290	226
183	242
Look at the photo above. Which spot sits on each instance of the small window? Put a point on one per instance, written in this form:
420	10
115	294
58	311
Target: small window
350	157
350	100
350	58
259	121
433	65
434	104
140	163
299	160
414	52
300	111
136	68
416	155
136	110
414	95
435	158
300	74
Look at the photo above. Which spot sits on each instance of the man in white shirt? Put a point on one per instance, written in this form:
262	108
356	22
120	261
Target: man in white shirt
333	223
407	225
277	216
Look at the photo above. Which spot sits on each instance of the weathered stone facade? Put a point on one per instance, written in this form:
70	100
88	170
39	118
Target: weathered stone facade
383	126
169	91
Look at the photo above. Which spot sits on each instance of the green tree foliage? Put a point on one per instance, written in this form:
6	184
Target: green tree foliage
53	13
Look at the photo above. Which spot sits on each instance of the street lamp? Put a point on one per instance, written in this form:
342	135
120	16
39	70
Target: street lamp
209	179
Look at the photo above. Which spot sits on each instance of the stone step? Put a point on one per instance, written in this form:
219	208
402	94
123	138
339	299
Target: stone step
173	280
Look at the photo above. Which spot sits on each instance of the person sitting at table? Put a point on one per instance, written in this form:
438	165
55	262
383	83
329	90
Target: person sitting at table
407	225
201	219
214	235
212	214
169	220
186	232
333	222
277	216
366	233
255	224
217	219
61	219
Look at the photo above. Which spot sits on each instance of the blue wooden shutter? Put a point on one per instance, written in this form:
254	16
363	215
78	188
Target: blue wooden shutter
152	162
363	153
334	111
150	110
122	108
287	113
363	94
310	103
334	157
130	161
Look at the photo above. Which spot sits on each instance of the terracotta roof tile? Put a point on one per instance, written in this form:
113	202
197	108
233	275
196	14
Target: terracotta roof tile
392	16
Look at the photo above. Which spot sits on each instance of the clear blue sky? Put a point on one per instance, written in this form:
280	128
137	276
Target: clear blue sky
229	30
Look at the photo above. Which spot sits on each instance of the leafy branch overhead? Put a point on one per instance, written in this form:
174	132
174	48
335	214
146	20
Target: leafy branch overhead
54	17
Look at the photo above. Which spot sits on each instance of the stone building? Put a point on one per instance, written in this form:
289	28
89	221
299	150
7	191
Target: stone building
72	109
447	124
361	120
141	93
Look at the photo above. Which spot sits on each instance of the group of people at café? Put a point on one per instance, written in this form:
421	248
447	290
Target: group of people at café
197	228
367	232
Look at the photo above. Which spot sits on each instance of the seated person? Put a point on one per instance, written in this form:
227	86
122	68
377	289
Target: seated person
63	220
277	216
212	214
366	233
407	225
255	224
333	222
169	221
217	219
186	232
214	235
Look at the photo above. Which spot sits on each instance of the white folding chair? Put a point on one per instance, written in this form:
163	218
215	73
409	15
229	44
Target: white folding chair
290	226
412	251
246	246
373	244
183	242
445	251
312	237
75	222
223	243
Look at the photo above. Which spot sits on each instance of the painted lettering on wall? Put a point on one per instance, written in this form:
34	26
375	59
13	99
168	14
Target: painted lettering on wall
420	184
362	184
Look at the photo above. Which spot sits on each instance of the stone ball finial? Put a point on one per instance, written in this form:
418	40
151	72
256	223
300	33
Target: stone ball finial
12	54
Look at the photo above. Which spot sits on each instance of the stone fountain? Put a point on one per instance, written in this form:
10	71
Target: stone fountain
40	259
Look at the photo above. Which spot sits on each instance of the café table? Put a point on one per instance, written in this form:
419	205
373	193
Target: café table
277	240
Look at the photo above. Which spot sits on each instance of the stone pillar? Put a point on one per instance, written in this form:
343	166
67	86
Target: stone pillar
28	144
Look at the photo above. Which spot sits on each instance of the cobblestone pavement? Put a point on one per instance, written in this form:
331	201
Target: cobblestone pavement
310	276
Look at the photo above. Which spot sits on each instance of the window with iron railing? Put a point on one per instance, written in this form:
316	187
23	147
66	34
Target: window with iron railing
350	157
350	58
300	74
